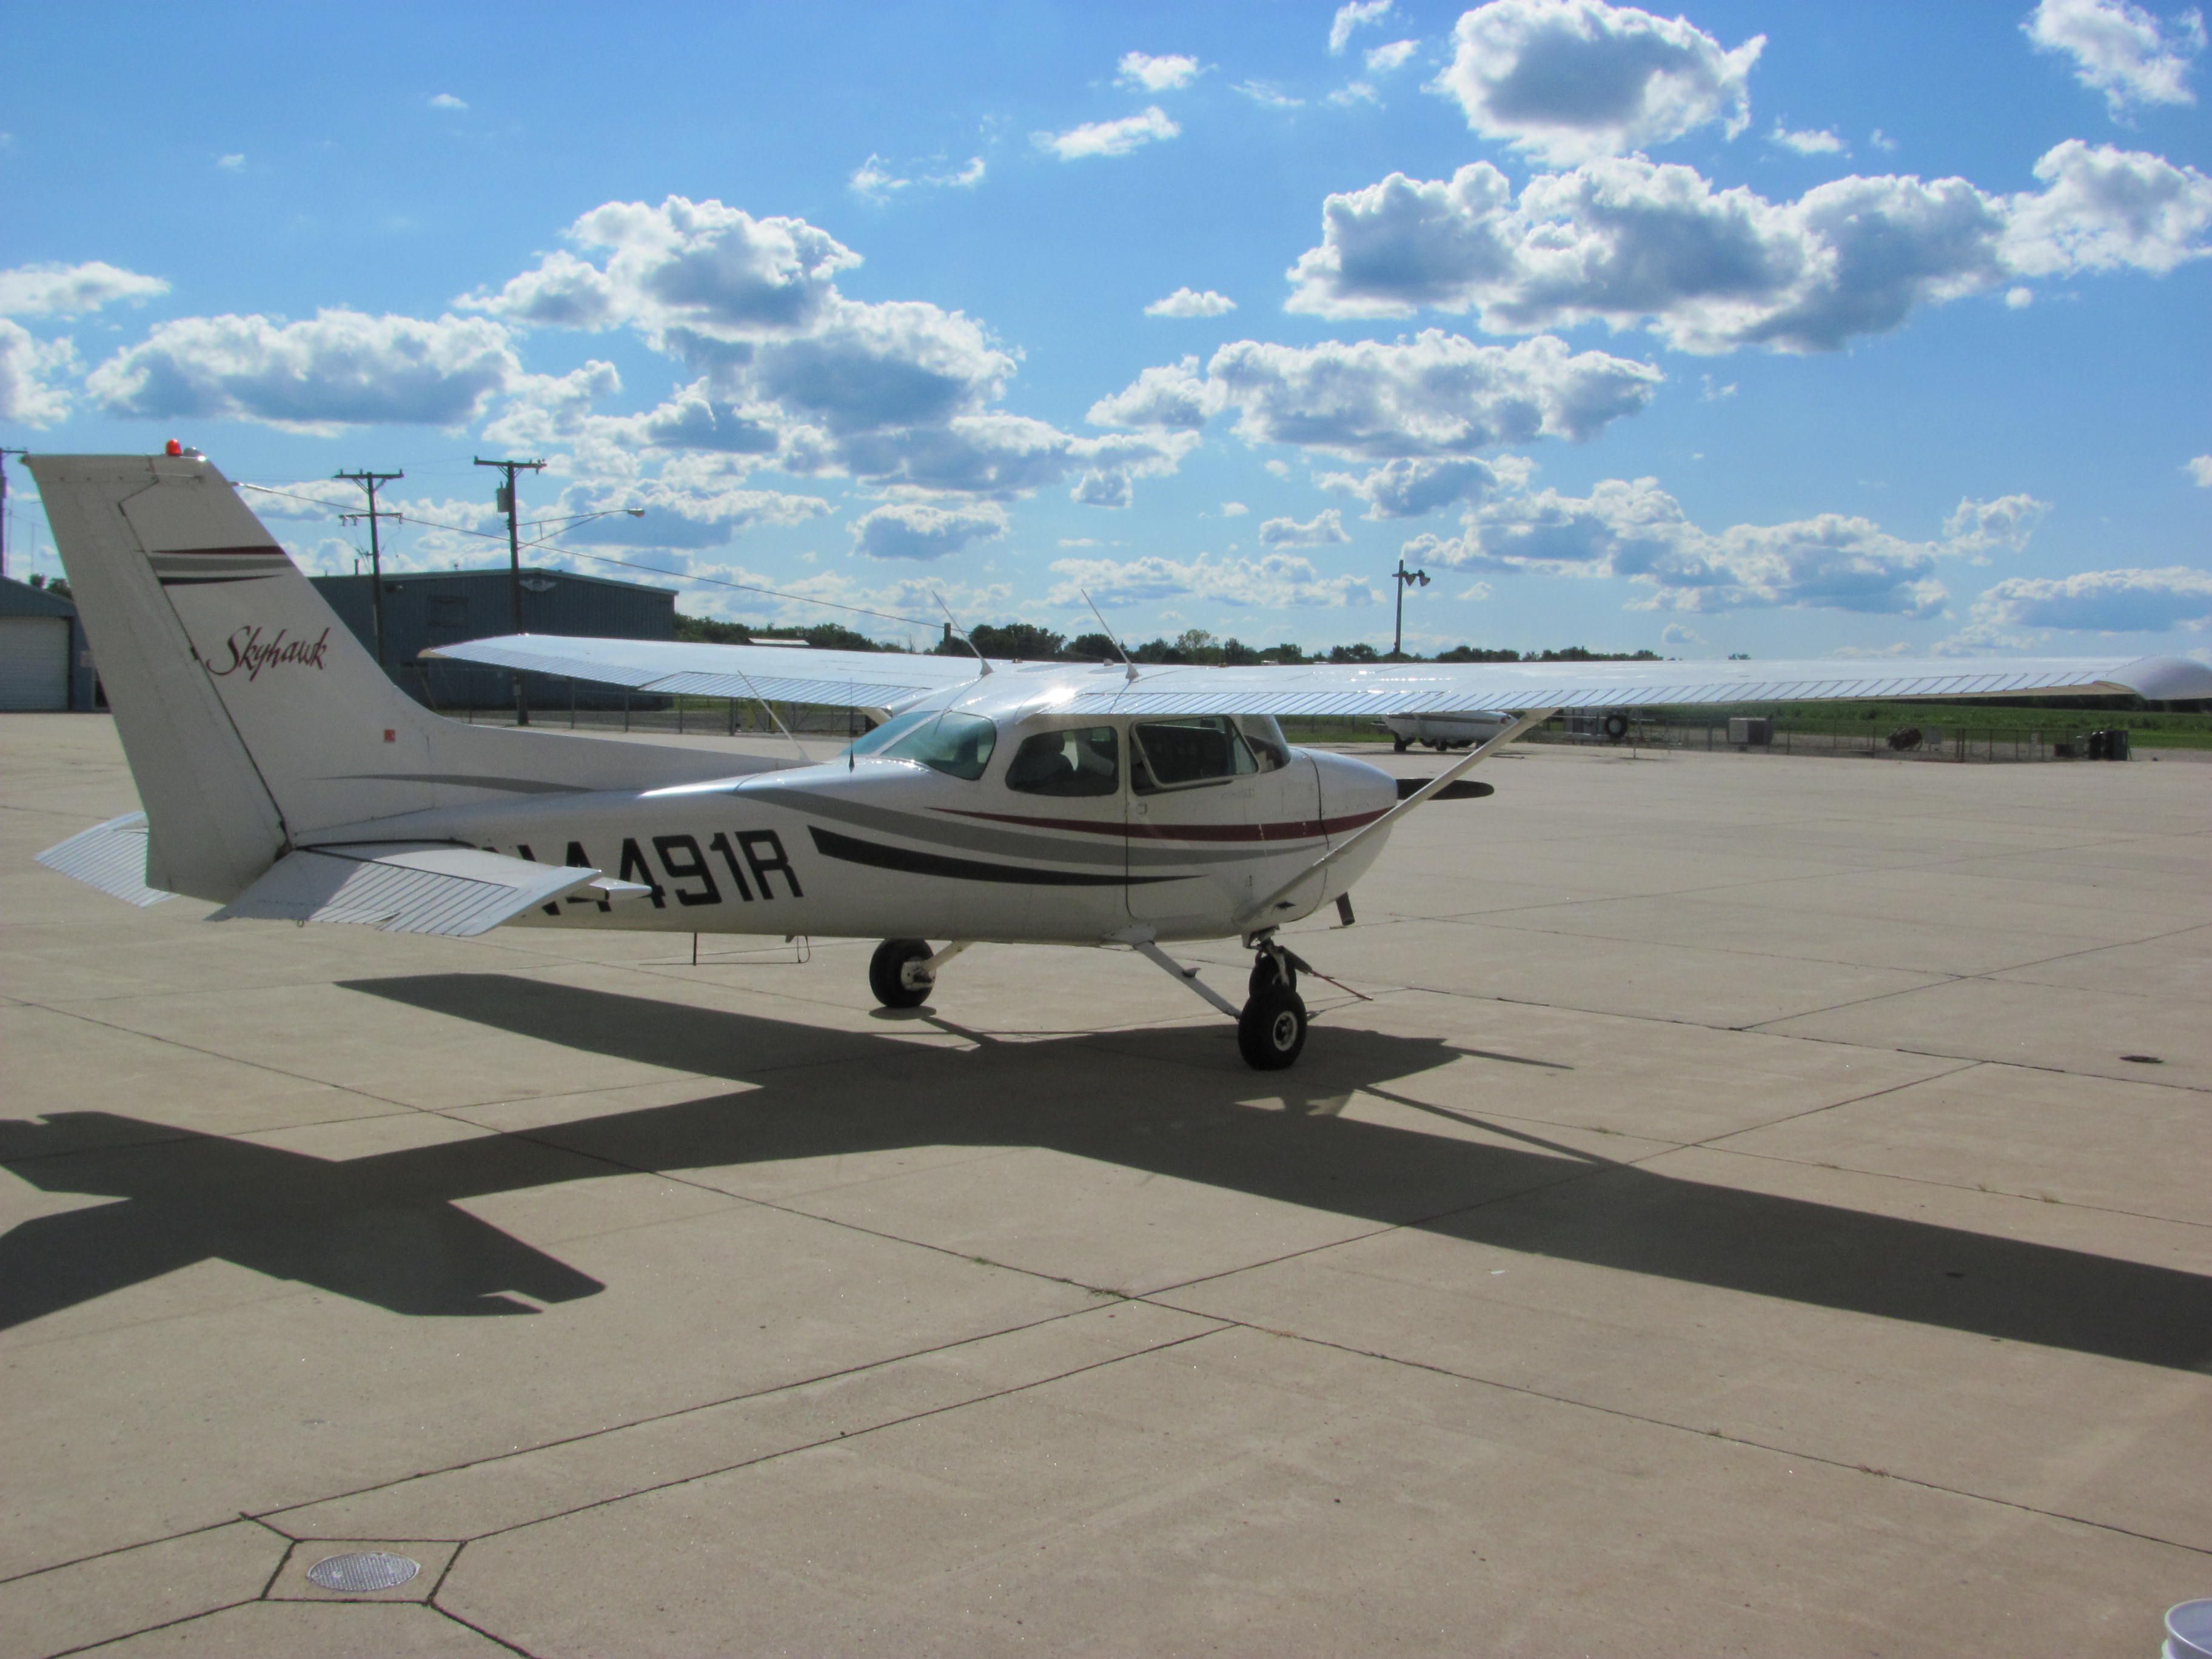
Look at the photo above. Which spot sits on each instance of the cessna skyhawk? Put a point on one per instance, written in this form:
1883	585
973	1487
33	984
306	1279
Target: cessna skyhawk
282	776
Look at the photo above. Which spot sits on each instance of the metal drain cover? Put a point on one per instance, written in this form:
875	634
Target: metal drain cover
352	1575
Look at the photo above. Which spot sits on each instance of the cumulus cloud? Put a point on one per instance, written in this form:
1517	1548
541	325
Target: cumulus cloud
1238	509
1172	396
684	268
2103	208
1434	394
1142	73
1567	81
231	163
29	371
340	368
1635	531
916	530
1680	637
1322	529
1120	138
1979	528
1268	95
1274	581
2200	470
2100	601
1357	14
61	290
447	100
1413	488
1817	142
1189	302
1381	60
1627	242
2120	49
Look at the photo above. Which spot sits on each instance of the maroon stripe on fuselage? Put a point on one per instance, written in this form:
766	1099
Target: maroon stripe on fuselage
1288	829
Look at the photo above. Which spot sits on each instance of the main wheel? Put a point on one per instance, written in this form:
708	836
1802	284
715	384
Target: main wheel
885	978
1272	1029
1397	745
1266	977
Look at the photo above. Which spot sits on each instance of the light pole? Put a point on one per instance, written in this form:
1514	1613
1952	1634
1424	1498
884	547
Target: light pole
1404	579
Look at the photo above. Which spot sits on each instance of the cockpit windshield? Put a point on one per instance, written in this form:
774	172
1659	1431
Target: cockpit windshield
956	744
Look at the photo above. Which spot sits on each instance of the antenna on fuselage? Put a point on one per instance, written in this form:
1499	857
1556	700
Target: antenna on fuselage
1115	638
953	622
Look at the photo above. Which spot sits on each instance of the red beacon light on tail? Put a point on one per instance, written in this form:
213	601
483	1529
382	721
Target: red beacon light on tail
173	447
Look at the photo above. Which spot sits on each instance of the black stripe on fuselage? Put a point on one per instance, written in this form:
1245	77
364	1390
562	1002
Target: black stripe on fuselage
852	850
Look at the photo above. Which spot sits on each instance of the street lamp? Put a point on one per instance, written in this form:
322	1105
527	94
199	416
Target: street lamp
580	518
1404	579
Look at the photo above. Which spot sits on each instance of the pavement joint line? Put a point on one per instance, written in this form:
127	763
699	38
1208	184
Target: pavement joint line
125	1549
1218	1325
2048	1068
670	1416
166	1624
445	1612
1948	1186
1721	1434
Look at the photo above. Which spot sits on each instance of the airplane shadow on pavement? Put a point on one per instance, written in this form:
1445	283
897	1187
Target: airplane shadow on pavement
388	1230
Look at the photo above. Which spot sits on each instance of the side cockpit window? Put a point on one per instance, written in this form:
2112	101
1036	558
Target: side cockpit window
1083	760
1205	749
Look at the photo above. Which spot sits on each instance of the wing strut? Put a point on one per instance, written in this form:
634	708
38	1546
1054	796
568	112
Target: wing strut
1450	774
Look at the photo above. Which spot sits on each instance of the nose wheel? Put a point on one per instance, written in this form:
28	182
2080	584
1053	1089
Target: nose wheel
1271	1030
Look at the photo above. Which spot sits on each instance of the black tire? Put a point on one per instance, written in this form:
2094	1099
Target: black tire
1264	976
1397	745
1616	727
884	979
1272	1030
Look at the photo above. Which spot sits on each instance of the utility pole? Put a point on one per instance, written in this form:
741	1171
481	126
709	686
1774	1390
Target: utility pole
369	481
4	455
506	499
1404	579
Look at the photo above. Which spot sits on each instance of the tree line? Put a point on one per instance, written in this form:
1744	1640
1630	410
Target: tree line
1027	643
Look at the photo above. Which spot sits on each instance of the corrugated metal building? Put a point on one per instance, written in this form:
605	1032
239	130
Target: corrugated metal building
44	663
447	607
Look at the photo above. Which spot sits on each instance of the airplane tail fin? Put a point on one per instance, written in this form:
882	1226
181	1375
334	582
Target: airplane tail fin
251	716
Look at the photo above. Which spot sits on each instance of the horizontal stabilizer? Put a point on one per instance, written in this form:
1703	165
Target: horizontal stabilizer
412	889
111	856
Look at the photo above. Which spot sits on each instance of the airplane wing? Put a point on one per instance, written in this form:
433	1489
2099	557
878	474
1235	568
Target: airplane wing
677	668
866	680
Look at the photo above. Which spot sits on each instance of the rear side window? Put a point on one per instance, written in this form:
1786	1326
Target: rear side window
1206	749
1080	760
958	746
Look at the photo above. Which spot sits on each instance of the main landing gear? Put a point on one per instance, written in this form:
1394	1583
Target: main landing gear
904	971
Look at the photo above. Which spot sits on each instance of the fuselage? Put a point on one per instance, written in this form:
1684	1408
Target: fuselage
978	813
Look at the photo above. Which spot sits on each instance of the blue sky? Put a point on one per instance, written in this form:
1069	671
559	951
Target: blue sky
1785	329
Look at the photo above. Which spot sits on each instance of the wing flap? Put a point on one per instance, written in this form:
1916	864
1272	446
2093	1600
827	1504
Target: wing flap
111	856
458	891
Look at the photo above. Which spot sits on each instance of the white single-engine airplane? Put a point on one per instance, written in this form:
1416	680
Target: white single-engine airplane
282	776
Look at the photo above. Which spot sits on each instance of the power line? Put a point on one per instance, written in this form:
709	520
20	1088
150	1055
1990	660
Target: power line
369	481
625	564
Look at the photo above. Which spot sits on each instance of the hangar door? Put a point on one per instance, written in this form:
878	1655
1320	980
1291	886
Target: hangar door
34	662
